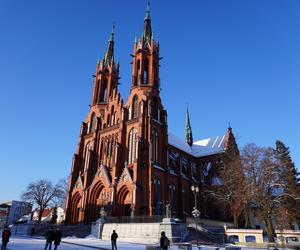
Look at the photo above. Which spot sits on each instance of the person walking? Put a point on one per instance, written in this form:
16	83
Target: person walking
49	238
57	238
5	237
164	241
113	238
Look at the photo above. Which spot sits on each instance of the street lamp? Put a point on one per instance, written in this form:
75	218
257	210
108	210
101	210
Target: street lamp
195	190
195	212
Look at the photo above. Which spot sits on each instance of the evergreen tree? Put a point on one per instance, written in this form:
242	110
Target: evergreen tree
53	215
291	188
283	153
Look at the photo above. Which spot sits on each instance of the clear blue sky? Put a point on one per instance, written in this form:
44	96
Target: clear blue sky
232	61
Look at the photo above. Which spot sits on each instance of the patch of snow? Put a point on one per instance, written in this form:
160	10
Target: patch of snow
90	237
199	148
71	237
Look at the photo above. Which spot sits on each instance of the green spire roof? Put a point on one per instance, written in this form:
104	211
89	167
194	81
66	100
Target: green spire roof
109	54
188	129
147	34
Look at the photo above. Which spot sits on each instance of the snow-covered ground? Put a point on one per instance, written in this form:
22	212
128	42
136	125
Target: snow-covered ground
24	243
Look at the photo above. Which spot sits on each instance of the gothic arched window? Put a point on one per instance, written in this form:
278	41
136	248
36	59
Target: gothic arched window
102	152
157	196
138	66
132	146
154	109
108	120
112	122
96	99
135	107
146	73
87	156
154	143
92	123
103	92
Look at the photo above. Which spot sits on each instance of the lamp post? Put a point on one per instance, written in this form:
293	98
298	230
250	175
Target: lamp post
195	190
196	213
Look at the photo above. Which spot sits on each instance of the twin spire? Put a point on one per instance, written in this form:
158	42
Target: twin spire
147	36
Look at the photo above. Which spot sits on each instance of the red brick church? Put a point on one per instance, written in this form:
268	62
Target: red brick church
126	160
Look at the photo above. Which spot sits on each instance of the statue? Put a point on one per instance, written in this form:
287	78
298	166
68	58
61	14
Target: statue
102	212
168	210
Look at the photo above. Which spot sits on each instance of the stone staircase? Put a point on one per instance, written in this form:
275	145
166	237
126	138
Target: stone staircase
204	234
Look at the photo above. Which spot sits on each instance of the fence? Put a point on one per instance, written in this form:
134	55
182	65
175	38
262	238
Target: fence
134	219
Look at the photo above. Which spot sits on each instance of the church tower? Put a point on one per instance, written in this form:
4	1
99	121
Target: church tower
106	77
146	121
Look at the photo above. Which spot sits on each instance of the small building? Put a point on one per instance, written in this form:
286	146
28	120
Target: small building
12	211
48	213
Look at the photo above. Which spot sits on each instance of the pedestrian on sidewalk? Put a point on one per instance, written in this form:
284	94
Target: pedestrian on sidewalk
114	237
32	231
5	237
57	238
49	238
164	241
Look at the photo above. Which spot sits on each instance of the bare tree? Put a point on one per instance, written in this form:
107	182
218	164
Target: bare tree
42	193
61	200
230	189
264	184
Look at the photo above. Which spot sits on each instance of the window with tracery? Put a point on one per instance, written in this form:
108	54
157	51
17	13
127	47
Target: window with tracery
154	109
137	72
87	156
184	166
102	152
92	123
104	91
194	170
135	107
173	156
132	146
154	147
146	73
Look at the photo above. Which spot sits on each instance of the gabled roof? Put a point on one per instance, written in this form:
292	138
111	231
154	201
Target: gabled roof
106	175
209	146
126	175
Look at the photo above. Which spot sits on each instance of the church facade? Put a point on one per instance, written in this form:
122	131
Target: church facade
126	161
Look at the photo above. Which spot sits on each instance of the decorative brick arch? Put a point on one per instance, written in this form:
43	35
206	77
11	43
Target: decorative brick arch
75	207
94	200
124	201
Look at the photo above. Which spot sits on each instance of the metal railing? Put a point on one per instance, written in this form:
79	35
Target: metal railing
134	219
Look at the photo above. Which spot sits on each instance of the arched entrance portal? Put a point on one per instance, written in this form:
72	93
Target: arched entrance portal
75	208
125	201
100	198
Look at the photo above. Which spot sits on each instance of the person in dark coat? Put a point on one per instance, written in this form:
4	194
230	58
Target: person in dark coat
32	231
57	238
5	237
49	238
164	241
113	238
